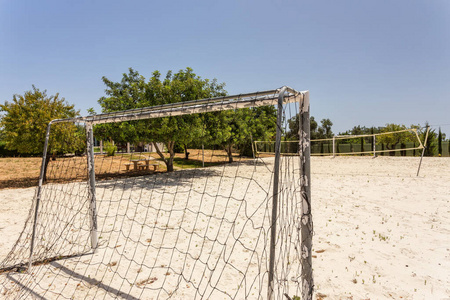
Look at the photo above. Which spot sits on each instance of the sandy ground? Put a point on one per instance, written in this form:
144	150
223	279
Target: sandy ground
380	232
384	232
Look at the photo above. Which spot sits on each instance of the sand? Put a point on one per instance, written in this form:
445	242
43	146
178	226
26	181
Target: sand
380	231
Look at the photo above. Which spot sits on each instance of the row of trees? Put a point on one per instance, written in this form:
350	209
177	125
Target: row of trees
390	141
24	120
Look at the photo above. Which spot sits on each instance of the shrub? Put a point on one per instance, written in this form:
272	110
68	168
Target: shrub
6	152
110	149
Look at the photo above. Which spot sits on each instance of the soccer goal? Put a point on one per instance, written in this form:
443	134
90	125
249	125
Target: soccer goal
122	227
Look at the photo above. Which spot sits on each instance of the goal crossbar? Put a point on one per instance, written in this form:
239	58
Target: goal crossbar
231	102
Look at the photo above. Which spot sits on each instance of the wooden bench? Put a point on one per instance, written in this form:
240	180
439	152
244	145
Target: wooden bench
136	166
141	164
146	166
155	166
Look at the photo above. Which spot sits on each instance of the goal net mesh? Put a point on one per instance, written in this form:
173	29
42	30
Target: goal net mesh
394	143
198	232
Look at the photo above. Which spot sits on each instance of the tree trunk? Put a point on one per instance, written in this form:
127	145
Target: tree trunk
170	146
391	153
47	160
186	153
169	161
362	146
229	153
169	164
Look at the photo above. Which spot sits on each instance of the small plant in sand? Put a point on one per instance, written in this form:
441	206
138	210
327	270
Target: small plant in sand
110	149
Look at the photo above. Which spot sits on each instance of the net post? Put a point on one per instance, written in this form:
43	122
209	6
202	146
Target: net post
306	226
38	194
374	146
91	184
276	177
423	149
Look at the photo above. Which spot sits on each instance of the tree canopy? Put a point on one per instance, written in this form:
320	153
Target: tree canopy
25	122
392	140
235	129
135	92
322	132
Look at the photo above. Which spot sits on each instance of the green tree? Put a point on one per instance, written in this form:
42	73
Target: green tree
25	123
390	141
315	131
234	130
324	131
313	126
135	92
431	142
26	118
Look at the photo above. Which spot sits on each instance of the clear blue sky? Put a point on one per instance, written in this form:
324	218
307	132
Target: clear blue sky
365	62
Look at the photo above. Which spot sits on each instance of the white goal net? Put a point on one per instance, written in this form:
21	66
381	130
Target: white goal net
120	226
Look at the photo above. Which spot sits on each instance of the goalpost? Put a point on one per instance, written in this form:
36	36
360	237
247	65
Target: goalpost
233	231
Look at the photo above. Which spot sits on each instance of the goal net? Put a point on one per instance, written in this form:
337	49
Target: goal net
120	226
394	143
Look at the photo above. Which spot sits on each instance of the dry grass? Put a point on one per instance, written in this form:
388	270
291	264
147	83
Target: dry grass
22	172
19	172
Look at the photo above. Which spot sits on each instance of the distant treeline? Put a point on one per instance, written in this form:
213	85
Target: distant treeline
436	142
23	123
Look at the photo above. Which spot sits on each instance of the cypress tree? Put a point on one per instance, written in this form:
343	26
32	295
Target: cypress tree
440	142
